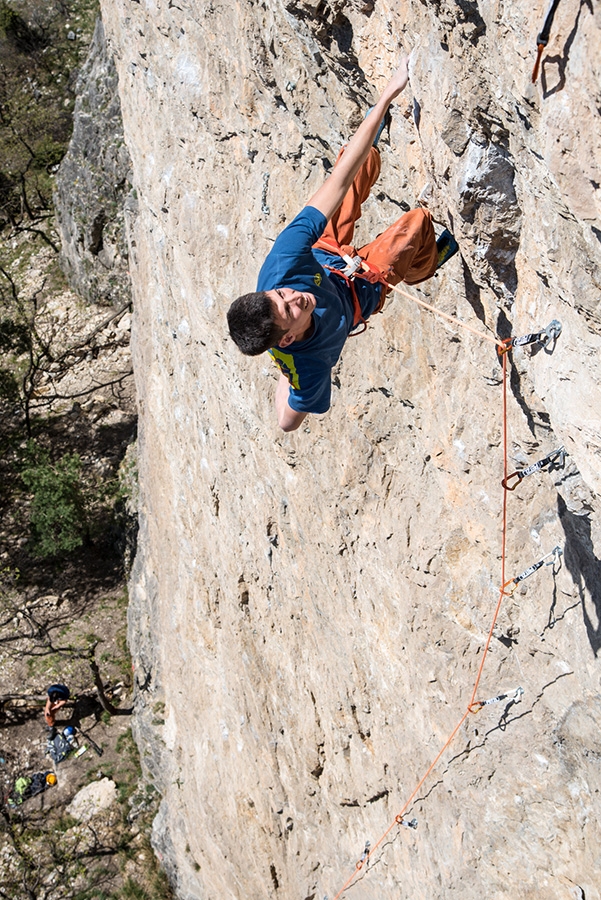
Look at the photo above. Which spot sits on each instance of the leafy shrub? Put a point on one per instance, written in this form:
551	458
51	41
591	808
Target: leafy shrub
14	336
58	515
9	19
9	389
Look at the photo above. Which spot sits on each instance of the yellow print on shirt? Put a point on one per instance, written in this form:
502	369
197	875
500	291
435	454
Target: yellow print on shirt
285	363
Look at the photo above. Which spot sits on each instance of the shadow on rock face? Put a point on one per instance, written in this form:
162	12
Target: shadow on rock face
553	69
333	30
585	568
473	293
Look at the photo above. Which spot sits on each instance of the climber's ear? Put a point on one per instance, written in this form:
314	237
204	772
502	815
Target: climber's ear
288	339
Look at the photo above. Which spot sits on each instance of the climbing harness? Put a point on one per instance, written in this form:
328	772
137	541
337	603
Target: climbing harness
355	268
554	460
556	553
512	696
542	38
544	337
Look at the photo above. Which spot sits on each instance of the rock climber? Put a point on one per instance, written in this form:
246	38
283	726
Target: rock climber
309	298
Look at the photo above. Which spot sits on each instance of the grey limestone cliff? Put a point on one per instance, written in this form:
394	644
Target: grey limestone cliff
93	185
309	611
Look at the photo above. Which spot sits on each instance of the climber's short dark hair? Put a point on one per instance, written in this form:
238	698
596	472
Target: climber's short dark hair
251	322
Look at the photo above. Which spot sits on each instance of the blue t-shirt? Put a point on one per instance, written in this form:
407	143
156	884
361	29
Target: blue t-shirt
292	263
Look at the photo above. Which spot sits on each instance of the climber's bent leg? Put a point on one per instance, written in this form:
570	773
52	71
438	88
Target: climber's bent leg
407	250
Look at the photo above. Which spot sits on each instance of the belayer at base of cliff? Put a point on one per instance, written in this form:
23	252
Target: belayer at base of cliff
311	295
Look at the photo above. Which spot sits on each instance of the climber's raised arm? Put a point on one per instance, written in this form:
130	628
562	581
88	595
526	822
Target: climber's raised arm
331	194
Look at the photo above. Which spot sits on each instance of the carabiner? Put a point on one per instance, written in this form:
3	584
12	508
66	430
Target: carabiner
551	332
508	487
544	337
554	460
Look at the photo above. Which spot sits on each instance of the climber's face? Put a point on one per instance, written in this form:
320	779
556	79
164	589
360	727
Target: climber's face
293	311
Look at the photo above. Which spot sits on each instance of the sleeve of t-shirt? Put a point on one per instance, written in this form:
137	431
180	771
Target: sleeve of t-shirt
314	395
291	253
310	381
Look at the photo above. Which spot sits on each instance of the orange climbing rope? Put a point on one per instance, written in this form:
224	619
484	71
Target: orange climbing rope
548	336
500	344
473	706
398	820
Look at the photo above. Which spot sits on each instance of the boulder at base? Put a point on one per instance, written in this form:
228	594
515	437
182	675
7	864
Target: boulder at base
92	799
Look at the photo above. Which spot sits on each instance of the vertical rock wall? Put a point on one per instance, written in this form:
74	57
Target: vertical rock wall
309	611
93	185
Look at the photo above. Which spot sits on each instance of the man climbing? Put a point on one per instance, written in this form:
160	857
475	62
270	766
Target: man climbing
311	294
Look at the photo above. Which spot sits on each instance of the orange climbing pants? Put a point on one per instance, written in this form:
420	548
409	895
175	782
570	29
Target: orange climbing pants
406	251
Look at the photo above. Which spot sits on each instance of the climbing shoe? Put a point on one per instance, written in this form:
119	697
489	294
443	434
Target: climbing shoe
447	247
385	123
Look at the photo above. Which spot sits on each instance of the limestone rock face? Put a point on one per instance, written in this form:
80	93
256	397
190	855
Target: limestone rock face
93	185
310	611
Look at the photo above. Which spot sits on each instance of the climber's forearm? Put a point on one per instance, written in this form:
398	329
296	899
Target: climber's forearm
331	194
288	419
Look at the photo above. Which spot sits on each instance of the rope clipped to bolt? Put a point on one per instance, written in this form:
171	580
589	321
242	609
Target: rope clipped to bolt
548	336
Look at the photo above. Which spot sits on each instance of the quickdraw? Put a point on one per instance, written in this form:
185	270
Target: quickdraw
554	460
544	337
556	553
408	823
512	696
364	856
542	38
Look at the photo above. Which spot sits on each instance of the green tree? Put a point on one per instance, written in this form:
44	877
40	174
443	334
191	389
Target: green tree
39	55
58	510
